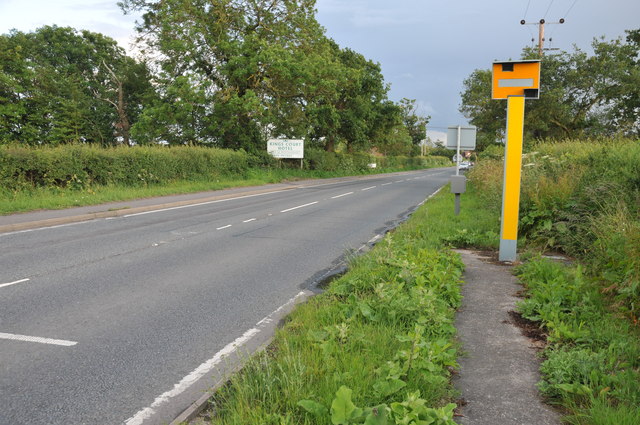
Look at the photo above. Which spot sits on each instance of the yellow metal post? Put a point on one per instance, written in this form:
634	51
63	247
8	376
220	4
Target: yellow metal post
512	175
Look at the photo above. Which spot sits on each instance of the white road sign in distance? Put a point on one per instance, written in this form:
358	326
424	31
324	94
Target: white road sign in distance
286	148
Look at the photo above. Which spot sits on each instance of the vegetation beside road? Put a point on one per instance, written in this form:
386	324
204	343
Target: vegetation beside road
74	175
377	346
379	343
580	198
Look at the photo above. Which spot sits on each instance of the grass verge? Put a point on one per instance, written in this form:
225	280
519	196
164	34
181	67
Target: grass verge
378	347
38	198
592	361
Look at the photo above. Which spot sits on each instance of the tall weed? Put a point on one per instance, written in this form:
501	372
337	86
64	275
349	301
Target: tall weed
581	198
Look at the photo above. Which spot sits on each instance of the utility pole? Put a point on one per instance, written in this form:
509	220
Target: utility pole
541	32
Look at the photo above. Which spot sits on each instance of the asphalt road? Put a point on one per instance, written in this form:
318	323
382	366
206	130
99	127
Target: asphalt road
128	319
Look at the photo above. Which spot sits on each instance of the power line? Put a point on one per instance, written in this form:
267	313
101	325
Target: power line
565	15
548	8
526	10
573	4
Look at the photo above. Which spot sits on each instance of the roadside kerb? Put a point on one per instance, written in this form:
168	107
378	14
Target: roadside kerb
235	362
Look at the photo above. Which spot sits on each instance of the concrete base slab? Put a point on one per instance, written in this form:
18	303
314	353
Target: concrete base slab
500	368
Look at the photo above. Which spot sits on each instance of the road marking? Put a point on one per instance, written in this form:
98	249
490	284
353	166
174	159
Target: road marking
223	227
399	181
250	220
13	283
201	203
430	196
368	188
386	184
340	196
37	339
207	366
45	228
299	206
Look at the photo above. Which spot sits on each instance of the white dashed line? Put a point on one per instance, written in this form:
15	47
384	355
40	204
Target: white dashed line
386	184
299	206
340	196
223	227
13	283
201	203
368	188
249	221
399	181
37	339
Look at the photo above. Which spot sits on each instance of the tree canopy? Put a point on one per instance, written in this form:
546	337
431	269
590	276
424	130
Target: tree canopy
58	85
224	73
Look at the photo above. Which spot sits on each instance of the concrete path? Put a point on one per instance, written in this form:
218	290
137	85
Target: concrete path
500	368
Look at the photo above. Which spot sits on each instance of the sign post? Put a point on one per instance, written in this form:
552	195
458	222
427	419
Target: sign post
514	81
460	137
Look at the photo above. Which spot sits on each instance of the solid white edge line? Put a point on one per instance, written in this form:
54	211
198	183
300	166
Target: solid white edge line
223	227
13	283
207	366
430	196
368	188
340	196
299	206
45	228
39	340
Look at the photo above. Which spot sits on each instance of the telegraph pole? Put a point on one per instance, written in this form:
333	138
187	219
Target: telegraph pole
541	31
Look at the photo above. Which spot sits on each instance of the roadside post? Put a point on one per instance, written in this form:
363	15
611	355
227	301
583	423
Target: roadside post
459	137
458	186
515	82
286	148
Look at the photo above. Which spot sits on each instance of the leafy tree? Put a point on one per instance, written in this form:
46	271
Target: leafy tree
415	124
60	86
237	72
350	110
240	57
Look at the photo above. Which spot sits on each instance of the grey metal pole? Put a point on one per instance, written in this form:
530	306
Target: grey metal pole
457	207
458	153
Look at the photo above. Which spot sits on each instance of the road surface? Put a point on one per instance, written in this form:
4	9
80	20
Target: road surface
128	319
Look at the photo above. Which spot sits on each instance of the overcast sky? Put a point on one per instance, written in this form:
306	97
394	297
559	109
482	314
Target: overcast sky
426	47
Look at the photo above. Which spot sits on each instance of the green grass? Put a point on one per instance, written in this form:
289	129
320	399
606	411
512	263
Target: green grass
30	199
380	342
349	349
592	362
581	198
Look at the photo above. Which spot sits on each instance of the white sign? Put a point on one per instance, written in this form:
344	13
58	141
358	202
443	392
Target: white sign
286	148
467	138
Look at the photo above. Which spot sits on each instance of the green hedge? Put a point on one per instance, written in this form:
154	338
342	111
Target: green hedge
83	166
